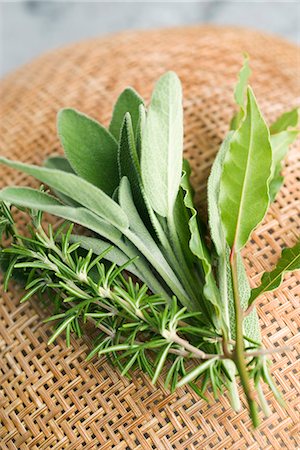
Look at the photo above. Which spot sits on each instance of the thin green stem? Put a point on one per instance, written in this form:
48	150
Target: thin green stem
239	350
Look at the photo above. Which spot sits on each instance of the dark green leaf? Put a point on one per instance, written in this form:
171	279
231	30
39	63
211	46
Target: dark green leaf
289	261
90	149
129	101
244	196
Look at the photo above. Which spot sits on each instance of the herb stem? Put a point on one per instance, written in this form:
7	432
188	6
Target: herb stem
239	350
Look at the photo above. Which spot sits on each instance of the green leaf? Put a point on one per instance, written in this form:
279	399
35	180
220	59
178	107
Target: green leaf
195	373
31	198
289	261
197	245
115	255
128	101
213	193
61	163
78	189
240	93
90	149
129	167
161	363
162	145
280	143
140	130
141	238
287	119
244	196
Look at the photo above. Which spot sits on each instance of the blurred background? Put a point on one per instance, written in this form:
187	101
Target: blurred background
29	28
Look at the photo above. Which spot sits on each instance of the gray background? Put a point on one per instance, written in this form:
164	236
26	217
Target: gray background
28	28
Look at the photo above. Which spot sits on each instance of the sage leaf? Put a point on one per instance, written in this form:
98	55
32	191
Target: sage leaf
61	163
140	129
162	145
240	93
128	101
129	167
290	260
197	245
90	149
287	119
141	238
78	189
98	246
34	199
244	196
213	193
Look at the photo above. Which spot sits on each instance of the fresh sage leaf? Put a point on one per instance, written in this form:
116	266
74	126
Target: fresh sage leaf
244	193
162	145
140	130
128	102
290	260
197	244
90	149
31	198
98	246
61	163
78	189
58	163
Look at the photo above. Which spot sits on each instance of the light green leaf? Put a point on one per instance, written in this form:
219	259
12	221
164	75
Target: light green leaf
251	324
196	372
244	196
162	145
289	261
140	130
240	93
141	238
196	243
287	119
213	193
78	189
31	198
280	143
98	246
61	163
90	149
128	101
129	167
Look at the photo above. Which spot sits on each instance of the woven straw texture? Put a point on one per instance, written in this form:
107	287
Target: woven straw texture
50	398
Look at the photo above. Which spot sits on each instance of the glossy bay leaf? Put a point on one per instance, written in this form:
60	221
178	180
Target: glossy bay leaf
289	261
244	193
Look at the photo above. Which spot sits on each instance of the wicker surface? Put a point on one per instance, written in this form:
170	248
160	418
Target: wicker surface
49	396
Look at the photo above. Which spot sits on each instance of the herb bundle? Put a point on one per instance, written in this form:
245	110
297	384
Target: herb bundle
164	291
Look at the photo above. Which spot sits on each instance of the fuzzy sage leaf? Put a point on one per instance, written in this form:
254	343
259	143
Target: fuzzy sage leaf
162	145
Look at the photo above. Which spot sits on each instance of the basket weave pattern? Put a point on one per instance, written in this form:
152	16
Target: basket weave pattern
50	398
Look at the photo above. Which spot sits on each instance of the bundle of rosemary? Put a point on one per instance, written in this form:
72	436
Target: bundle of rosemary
164	291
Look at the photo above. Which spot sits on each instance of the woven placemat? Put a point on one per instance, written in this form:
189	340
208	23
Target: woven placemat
50	398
